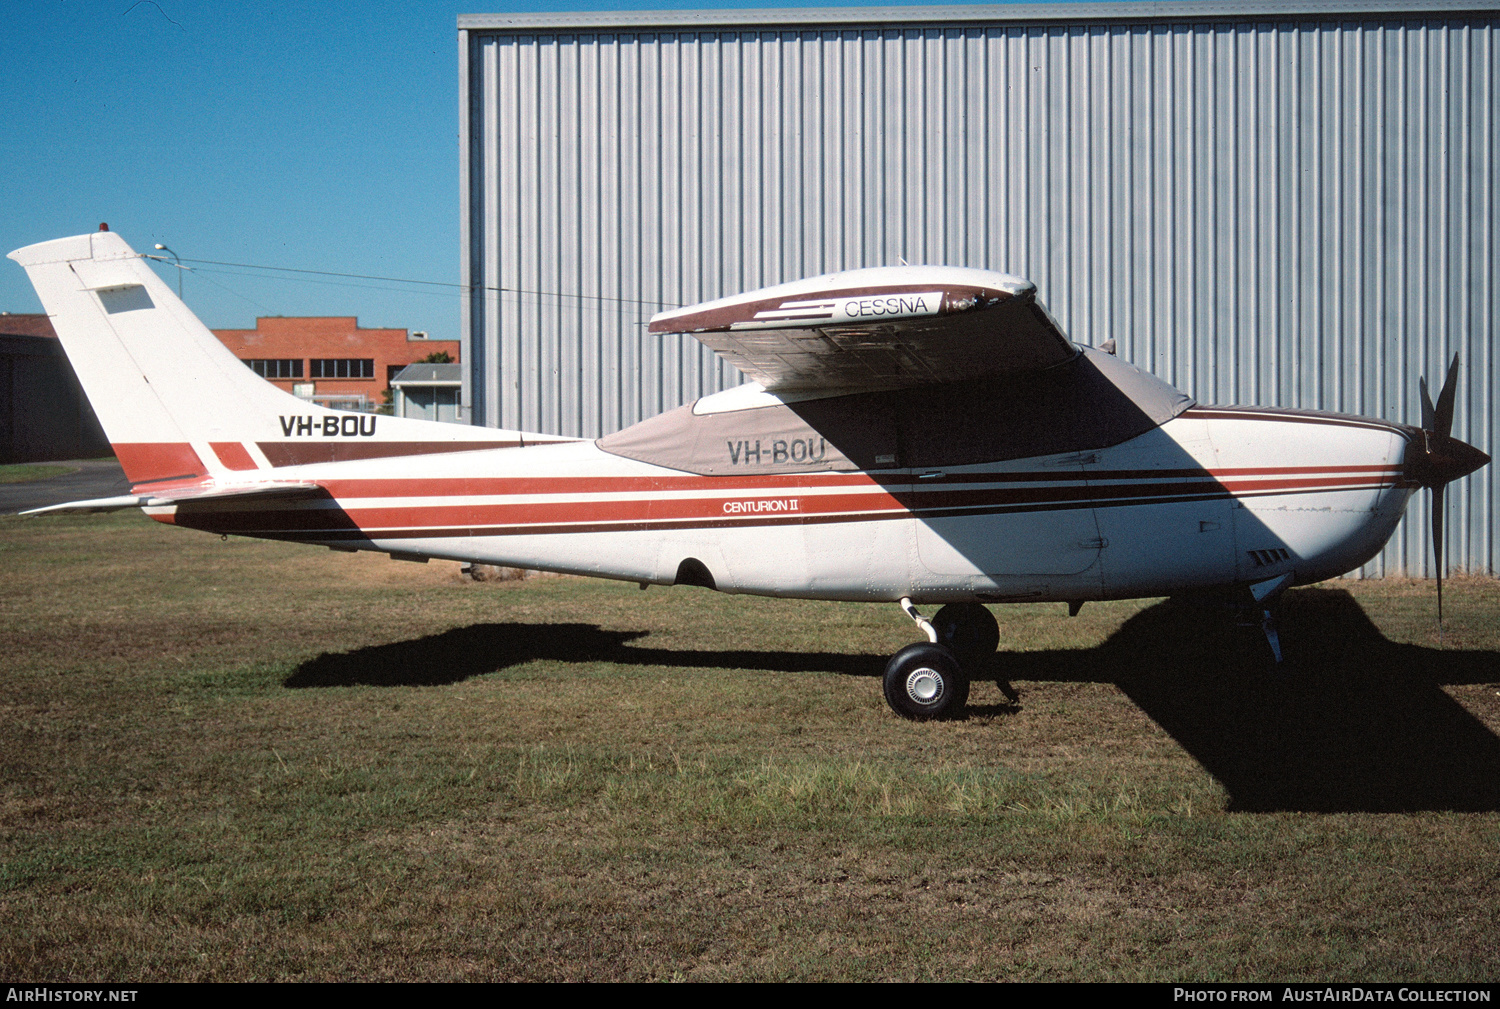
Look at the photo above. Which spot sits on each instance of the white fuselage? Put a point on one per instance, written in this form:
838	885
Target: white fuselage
1214	497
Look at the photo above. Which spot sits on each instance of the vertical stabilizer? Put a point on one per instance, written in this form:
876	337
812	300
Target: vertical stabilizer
156	378
175	403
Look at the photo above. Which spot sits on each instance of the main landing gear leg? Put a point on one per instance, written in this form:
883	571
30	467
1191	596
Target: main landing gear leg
910	609
924	680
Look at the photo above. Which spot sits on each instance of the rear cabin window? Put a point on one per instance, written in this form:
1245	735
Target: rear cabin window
1093	401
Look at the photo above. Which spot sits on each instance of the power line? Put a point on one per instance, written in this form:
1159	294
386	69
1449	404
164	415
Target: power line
330	283
242	297
429	283
538	300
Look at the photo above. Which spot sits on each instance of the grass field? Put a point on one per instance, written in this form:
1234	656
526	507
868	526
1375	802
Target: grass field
24	472
231	760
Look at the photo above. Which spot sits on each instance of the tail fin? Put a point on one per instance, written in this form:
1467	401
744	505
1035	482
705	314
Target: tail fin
175	403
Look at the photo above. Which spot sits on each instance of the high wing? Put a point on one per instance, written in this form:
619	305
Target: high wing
881	328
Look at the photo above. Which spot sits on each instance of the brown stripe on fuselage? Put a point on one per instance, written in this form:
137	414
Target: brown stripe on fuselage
300	453
622	516
1290	415
356	488
283	529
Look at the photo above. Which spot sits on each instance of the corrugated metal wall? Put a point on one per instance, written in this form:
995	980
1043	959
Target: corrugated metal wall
1285	212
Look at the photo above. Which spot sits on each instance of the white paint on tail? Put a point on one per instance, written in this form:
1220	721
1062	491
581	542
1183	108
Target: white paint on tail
158	378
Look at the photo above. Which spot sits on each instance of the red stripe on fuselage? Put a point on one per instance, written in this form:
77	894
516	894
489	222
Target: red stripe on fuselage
727	509
667	510
806	482
914	499
476	486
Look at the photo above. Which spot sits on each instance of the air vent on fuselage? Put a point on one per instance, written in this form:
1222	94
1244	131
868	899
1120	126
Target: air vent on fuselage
1265	558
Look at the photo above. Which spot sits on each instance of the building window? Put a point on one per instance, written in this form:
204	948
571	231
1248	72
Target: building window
343	367
276	367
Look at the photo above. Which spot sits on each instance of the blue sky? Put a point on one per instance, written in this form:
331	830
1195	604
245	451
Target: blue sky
317	135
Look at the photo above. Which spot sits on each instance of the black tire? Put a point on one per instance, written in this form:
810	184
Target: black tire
970	632
924	681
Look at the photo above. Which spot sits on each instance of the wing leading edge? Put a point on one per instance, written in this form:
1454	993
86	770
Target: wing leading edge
882	328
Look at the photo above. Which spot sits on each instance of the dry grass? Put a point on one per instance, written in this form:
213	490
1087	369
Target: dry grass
237	760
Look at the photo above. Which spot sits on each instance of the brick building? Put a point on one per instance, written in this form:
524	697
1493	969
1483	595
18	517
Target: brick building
331	359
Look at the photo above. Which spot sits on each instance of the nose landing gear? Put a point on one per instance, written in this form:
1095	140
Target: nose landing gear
1266	594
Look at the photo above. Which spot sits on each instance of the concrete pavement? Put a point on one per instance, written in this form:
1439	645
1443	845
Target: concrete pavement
91	478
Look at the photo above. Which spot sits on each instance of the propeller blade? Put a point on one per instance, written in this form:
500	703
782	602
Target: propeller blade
1437	543
1443	416
1443	459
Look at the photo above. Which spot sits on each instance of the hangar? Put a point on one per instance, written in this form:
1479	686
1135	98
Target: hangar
1282	203
44	414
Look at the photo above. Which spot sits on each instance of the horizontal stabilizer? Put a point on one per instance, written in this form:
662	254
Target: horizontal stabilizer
280	491
91	506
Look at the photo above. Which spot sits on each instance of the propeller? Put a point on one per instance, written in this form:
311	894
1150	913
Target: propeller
1441	460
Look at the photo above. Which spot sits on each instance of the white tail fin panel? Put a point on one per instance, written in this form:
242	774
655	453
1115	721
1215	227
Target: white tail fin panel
175	403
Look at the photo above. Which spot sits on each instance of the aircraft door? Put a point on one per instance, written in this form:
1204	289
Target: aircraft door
1006	521
998	493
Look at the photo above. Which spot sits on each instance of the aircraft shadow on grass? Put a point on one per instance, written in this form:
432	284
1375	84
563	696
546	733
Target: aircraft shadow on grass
1354	723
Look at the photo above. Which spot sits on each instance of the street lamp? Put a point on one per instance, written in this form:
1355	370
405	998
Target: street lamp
162	248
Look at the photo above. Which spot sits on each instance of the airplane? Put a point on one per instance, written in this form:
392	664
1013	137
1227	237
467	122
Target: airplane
914	435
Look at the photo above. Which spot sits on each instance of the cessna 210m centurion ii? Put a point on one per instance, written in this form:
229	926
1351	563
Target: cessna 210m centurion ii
914	435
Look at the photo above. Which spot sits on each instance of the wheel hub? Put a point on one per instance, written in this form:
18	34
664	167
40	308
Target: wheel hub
924	685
